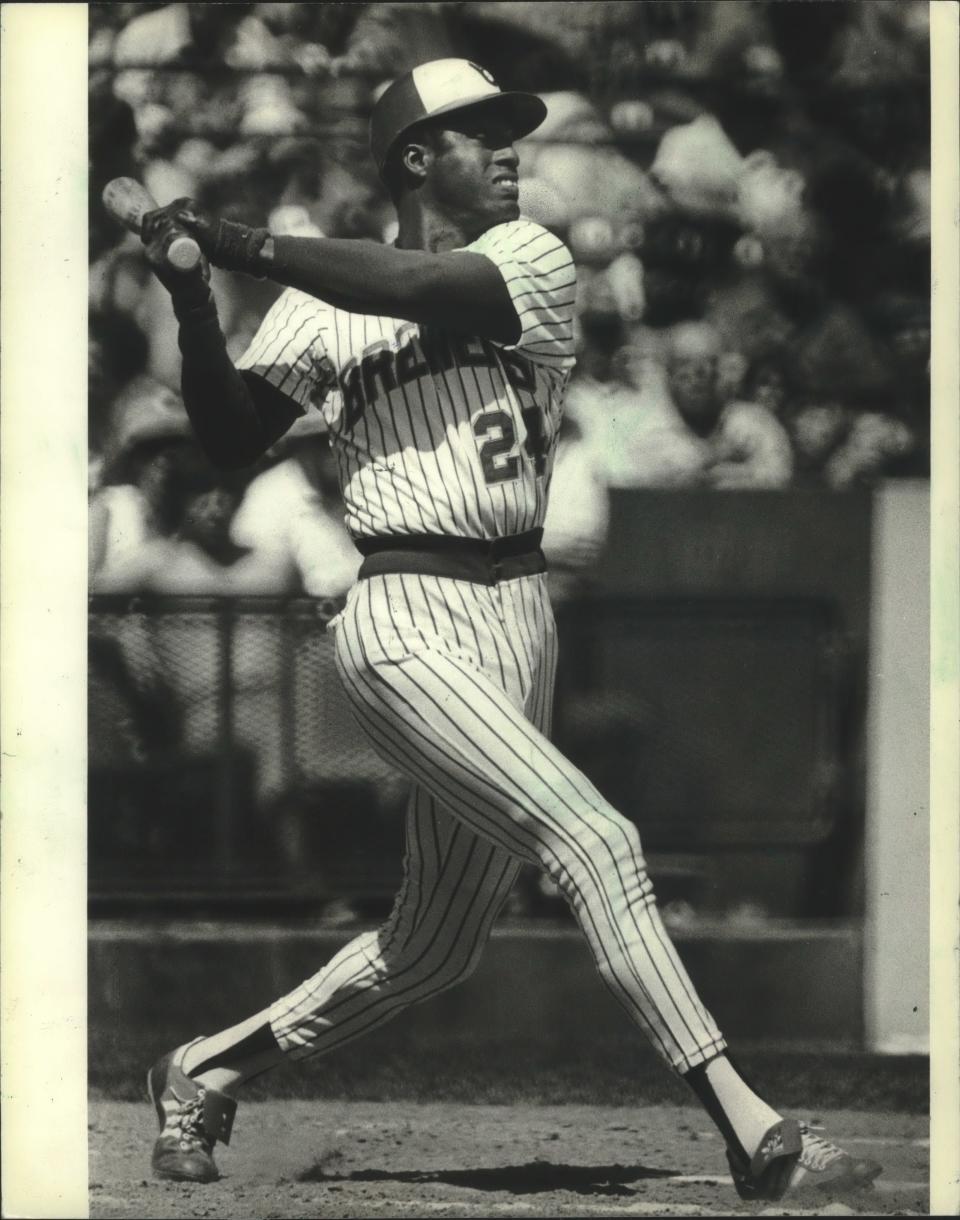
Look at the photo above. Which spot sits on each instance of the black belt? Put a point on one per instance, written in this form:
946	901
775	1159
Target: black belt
485	561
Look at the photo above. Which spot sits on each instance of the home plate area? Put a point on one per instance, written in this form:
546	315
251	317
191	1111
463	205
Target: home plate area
318	1159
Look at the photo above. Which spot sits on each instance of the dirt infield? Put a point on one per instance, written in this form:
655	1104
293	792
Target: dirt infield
324	1159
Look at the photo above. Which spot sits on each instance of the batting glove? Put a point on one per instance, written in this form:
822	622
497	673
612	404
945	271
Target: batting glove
231	246
157	230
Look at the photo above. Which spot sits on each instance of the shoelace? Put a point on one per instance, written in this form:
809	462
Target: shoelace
817	1152
189	1124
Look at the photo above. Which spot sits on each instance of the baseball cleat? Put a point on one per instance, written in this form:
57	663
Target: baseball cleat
823	1165
768	1173
192	1118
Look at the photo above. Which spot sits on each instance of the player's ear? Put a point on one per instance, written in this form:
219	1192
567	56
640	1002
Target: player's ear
416	158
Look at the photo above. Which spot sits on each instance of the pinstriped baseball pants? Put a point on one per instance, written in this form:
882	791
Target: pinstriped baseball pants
453	684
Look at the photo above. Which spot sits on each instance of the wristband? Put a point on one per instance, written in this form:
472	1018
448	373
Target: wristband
237	248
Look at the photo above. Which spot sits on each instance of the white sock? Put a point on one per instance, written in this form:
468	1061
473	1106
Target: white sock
748	1114
234	1055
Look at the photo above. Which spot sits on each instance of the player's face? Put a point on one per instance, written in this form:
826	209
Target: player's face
474	177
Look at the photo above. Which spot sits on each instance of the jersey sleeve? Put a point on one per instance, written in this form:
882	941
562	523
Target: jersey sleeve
291	350
538	271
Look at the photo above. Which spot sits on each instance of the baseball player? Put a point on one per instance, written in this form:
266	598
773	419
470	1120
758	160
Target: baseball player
439	365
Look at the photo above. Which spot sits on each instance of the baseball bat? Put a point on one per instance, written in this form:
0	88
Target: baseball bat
127	200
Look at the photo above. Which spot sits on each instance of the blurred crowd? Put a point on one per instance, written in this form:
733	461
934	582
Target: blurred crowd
744	185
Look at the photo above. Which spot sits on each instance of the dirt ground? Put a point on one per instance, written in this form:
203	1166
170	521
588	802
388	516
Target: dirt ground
319	1159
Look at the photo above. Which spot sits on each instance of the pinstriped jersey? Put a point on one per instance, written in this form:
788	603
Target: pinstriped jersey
436	432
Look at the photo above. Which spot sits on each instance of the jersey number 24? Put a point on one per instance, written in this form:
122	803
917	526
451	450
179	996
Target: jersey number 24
497	426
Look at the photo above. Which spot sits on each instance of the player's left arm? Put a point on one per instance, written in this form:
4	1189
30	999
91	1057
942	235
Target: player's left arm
460	290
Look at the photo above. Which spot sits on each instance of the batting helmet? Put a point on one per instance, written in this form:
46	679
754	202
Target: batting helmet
440	87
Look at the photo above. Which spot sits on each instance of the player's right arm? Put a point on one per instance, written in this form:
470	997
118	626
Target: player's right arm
236	415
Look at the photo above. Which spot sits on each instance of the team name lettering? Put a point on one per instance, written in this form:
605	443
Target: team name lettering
378	361
519	371
380	369
352	390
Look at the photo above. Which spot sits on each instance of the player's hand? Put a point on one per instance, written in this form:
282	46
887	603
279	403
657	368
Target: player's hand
157	230
226	244
188	216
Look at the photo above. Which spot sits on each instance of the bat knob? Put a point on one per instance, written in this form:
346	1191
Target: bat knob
183	253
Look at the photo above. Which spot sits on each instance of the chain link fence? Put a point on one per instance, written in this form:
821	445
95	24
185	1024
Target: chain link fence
225	764
223	755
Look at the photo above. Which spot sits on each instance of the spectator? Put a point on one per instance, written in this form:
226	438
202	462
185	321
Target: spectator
682	257
841	448
310	34
389	39
834	357
731	40
697	438
211	551
816	431
901	323
331	192
200	556
744	444
133	506
766	383
573	153
161	521
876	444
293	512
748	316
609	413
203	38
116	354
578	514
568	36
763	155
